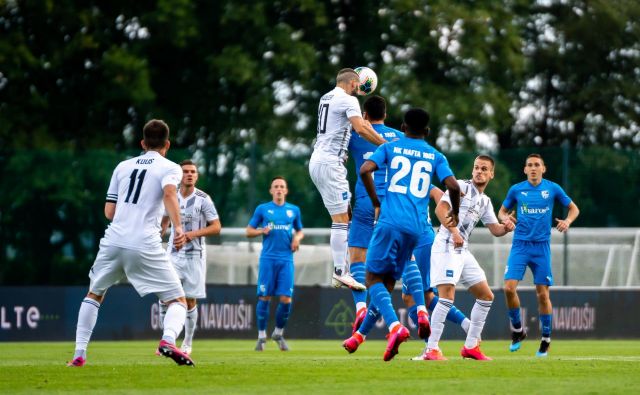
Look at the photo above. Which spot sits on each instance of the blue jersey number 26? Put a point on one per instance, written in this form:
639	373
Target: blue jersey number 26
420	176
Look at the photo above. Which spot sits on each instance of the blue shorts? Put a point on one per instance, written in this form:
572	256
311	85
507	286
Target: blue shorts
389	250
362	220
536	255
275	277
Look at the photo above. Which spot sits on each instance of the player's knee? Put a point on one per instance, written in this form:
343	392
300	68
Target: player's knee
488	296
408	300
285	299
510	289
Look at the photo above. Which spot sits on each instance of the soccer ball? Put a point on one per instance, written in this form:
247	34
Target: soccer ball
368	80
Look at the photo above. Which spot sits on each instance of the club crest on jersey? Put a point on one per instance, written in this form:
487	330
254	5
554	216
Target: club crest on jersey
545	194
290	213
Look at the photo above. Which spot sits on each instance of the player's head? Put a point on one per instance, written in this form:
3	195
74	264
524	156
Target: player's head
278	189
155	136
534	168
483	170
348	80
375	108
416	122
189	173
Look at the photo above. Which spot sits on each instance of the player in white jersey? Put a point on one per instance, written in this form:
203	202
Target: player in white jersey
338	112
199	220
132	247
451	261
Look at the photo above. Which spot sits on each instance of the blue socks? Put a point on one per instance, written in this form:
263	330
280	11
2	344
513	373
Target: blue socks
282	314
262	314
413	314
545	325
369	320
454	315
381	298
358	272
514	316
413	280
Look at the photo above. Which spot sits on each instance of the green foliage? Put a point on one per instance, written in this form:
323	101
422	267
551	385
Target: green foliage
228	76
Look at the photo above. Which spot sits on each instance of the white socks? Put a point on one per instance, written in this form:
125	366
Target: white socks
190	325
338	242
87	317
174	321
478	317
438	317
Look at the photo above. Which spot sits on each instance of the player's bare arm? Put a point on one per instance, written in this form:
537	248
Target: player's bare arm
366	171
170	200
454	195
504	215
443	212
109	210
364	129
295	242
164	225
212	229
250	231
436	194
564	224
499	230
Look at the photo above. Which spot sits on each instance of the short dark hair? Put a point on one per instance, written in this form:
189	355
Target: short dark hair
278	178
375	107
346	75
488	159
534	155
188	162
155	134
417	120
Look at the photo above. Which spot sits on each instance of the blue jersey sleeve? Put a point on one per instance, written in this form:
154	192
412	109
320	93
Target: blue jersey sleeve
442	167
379	157
257	218
510	200
561	196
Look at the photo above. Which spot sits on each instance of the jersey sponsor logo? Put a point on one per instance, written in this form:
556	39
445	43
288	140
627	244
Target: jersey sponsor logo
524	209
389	134
545	194
279	227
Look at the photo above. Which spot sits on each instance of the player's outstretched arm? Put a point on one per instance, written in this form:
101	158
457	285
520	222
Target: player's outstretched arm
564	224
436	194
499	230
366	131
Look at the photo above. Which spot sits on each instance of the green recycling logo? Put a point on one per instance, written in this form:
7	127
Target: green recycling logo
340	318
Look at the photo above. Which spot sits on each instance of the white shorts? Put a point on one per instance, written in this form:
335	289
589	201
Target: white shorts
331	181
192	271
455	267
148	271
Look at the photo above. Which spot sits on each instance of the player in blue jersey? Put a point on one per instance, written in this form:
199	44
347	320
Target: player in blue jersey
533	200
411	163
361	229
280	224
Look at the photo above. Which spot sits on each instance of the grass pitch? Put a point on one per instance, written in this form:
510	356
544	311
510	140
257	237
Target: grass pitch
321	366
